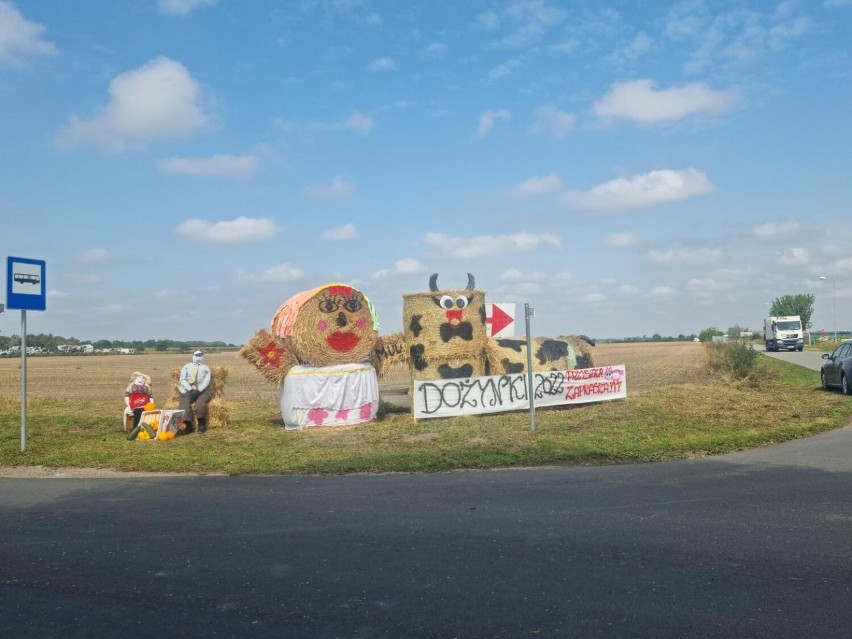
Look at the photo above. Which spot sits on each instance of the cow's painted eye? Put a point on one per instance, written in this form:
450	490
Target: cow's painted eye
446	302
462	301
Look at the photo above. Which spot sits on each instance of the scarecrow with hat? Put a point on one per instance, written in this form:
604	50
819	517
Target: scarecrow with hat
194	387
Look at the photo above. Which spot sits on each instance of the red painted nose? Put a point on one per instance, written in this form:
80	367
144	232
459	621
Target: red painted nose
454	317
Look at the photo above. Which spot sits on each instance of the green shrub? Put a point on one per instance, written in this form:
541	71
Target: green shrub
737	359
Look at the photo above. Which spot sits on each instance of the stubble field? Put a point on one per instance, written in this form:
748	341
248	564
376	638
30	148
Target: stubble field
102	378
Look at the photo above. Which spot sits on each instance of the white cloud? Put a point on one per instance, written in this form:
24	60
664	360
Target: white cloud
355	121
93	256
158	101
345	232
182	7
550	121
777	230
504	70
489	245
514	275
538	186
647	189
488	119
232	166
337	188
795	256
706	284
488	20
594	298
382	64
407	266
57	294
533	19
629	289
19	37
662	291
629	54
436	48
685	256
279	273
621	240
238	231
641	101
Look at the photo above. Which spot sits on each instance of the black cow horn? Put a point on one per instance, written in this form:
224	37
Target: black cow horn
470	283
433	282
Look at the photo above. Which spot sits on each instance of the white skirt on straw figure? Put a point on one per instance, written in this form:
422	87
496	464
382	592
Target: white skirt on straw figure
339	395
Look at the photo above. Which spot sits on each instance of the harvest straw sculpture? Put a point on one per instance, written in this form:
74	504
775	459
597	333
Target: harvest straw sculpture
218	410
328	325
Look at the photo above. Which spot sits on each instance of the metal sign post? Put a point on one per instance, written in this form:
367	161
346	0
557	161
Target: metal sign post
25	290
23	381
528	313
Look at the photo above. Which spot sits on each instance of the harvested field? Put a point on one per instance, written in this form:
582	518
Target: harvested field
104	377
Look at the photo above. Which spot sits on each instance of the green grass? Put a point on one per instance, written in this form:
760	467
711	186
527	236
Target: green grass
778	402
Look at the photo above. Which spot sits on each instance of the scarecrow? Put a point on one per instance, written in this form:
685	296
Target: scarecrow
138	397
318	350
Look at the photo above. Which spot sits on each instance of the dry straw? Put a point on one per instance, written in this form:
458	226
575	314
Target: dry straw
329	325
426	325
510	355
218	409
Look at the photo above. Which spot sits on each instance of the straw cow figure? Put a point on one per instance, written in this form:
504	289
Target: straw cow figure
445	337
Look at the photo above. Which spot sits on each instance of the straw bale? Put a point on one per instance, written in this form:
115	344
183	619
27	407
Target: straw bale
507	356
218	409
390	354
270	355
336	325
441	341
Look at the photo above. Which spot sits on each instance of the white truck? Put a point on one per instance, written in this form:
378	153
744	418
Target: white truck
783	332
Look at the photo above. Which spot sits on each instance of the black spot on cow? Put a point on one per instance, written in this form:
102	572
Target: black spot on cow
584	361
415	325
449	372
551	350
515	344
417	357
463	330
511	368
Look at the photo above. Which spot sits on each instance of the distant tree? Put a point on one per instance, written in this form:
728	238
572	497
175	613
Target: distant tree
736	331
708	334
801	304
102	344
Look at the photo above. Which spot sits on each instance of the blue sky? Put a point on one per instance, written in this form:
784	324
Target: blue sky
184	166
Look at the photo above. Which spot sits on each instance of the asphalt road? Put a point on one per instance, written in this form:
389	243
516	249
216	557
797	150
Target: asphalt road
754	544
809	359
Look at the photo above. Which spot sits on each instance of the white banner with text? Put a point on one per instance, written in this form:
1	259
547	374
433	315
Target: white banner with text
499	393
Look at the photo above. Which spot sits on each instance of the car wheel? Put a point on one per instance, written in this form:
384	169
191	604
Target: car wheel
844	385
823	380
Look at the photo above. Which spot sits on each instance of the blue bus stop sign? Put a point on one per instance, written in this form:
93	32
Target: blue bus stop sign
25	285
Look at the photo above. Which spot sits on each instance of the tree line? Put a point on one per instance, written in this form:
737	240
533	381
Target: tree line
51	343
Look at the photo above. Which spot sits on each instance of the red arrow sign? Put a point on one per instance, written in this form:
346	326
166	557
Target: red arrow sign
499	320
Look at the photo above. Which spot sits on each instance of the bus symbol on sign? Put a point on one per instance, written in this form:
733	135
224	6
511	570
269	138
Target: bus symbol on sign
26	278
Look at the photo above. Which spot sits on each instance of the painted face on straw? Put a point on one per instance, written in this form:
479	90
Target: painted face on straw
344	318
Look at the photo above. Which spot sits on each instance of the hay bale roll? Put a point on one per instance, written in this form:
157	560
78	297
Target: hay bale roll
445	332
326	326
509	356
218	409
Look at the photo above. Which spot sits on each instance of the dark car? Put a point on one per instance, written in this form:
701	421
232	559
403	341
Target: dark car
836	372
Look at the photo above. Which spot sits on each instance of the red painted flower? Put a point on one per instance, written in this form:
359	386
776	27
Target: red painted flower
271	354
